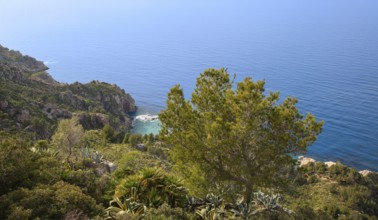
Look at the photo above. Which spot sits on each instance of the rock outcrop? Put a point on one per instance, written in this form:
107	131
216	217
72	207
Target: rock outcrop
305	160
30	98
26	64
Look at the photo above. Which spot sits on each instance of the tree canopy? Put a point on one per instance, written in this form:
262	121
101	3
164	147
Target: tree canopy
68	138
239	137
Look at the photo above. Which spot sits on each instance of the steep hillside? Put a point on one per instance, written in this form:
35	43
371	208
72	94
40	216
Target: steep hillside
32	101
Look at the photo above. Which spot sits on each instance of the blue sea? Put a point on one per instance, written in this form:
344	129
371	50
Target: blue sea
323	52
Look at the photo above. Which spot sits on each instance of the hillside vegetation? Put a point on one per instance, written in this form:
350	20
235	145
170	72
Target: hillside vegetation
32	102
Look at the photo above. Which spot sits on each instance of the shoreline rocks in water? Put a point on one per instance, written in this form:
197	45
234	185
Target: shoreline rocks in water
147	117
302	160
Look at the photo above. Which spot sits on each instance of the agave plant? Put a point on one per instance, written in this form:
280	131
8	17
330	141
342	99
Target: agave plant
130	205
175	194
212	208
213	200
242	209
266	201
97	157
194	203
212	213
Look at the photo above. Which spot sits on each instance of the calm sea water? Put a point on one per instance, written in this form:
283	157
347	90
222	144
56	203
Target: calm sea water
323	52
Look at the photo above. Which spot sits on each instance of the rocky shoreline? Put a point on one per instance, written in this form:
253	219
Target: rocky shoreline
302	160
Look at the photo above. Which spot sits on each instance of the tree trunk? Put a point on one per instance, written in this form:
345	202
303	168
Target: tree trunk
248	200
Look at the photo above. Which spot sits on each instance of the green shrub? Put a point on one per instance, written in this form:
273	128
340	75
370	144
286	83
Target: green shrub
312	179
159	151
305	212
320	168
345	175
47	202
153	188
19	213
136	161
165	212
89	183
333	188
126	138
135	139
332	210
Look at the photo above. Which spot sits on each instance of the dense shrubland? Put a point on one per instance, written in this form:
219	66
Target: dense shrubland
222	155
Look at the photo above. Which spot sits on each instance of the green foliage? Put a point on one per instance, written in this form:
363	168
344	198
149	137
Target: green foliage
137	161
126	138
151	138
264	206
47	202
42	145
19	213
89	183
68	139
157	149
152	187
267	202
33	102
212	207
128	209
344	175
234	136
145	137
339	192
16	161
92	139
135	139
21	167
108	134
165	212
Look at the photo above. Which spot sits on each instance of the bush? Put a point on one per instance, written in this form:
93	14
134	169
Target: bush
345	175
20	167
136	161
47	202
108	133
135	139
152	187
165	212
89	183
20	213
125	139
305	212
42	145
320	168
332	210
312	179
159	151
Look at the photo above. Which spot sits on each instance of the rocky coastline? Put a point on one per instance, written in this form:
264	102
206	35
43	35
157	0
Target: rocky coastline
32	101
302	160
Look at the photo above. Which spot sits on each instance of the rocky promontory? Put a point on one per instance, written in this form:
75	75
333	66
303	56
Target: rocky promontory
32	101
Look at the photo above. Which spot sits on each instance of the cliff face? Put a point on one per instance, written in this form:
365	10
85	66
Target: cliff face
25	63
32	101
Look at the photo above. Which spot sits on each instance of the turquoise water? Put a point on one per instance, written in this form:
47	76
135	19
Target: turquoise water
145	126
323	52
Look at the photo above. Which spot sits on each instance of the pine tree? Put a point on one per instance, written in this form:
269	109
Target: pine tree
234	137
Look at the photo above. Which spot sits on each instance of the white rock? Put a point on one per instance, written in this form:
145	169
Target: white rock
305	160
146	117
365	172
329	163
